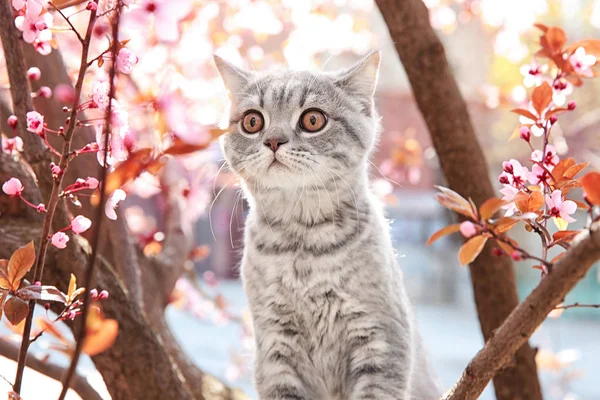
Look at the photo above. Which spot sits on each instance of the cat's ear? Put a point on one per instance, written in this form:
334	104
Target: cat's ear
233	77
361	79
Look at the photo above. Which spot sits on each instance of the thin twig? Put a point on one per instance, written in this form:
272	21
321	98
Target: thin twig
68	21
89	275
576	305
53	201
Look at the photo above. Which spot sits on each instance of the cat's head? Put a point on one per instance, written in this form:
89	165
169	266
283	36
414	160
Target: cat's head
288	128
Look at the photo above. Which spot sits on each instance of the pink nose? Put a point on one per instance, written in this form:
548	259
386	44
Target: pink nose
275	143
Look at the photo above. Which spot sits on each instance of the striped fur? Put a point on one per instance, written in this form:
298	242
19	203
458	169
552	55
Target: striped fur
331	317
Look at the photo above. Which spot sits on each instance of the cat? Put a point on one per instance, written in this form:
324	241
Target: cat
331	317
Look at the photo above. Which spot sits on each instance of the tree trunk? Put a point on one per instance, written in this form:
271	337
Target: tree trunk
465	168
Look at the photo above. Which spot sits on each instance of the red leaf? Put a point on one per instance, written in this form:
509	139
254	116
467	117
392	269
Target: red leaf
541	97
554	39
101	338
525	113
471	249
529	202
505	224
556	111
138	162
15	310
443	232
19	264
591	186
542	27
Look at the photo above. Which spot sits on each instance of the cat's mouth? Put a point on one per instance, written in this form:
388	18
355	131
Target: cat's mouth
276	164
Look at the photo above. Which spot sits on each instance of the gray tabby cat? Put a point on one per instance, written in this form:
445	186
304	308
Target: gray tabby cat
331	317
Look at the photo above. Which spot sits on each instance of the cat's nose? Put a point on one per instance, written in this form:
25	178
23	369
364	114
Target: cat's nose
274	143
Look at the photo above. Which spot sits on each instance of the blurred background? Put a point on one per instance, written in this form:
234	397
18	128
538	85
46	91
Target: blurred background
175	89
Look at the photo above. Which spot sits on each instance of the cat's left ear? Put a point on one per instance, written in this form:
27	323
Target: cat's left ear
361	79
233	77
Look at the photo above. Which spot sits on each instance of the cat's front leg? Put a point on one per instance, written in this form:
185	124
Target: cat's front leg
278	369
380	364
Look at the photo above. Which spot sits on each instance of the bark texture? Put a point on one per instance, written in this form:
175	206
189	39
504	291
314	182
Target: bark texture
521	323
465	168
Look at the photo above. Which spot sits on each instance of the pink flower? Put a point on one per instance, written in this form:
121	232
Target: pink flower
13	187
119	117
80	224
59	240
34	74
561	89
582	62
538	175
117	151
514	173
560	207
64	93
533	74
34	8
12	145
18	4
33	25
550	159
126	60
56	170
35	122
166	13
91	183
468	229
509	192
112	203
100	91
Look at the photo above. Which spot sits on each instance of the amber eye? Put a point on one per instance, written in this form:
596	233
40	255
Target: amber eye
313	120
253	122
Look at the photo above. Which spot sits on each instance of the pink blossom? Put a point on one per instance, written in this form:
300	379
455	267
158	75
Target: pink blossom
560	207
35	122
59	240
468	229
100	91
41	208
44	92
12	145
119	117
167	15
80	224
561	89
117	151
112	203
33	25
582	62
64	93
12	121
514	173
538	175
533	74
91	183
94	294
126	60
34	8
13	187
56	170
34	74
509	192
550	159
18	4
103	295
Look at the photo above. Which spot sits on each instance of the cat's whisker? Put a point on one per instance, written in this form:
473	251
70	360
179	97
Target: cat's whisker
212	231
217	176
384	176
237	198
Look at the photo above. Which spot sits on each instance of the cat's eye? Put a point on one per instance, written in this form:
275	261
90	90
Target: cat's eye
253	122
313	120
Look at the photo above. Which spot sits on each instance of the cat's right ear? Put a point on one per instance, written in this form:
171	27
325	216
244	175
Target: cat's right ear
233	77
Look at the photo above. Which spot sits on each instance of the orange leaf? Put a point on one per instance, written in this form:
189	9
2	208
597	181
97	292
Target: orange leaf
443	232
558	257
49	327
529	202
505	224
591	186
131	168
4	283
574	170
541	97
19	264
562	167
454	201
564	236
542	27
591	46
490	207
471	249
15	309
554	39
556	111
525	113
101	337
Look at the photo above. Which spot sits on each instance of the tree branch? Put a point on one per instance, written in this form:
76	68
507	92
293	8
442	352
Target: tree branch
521	323
465	168
81	386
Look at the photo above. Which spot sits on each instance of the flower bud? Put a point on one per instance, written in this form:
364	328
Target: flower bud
94	294
44	92
12	121
507	167
34	74
515	255
503	179
525	133
103	295
91	6
498	252
553	119
571	105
